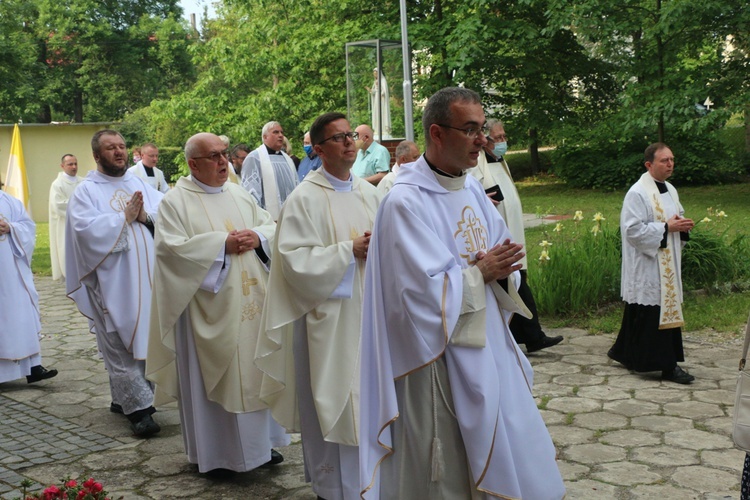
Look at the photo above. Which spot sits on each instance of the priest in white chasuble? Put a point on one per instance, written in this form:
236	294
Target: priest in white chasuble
313	310
59	195
109	257
20	352
213	244
654	229
446	404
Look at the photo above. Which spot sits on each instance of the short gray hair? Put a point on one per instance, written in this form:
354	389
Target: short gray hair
404	148
492	123
437	110
268	126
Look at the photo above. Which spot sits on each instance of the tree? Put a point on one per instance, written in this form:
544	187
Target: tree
93	59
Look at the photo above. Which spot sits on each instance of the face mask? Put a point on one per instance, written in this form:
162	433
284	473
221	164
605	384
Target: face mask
308	149
358	143
500	149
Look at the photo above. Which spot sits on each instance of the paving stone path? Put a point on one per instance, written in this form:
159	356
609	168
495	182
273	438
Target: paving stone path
619	435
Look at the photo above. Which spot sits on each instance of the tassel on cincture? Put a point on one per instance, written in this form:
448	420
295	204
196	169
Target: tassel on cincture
437	459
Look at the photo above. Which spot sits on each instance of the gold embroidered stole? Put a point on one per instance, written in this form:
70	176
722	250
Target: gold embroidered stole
670	315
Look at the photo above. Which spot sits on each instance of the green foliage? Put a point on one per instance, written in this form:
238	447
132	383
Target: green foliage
521	167
604	158
90	60
172	163
714	257
583	270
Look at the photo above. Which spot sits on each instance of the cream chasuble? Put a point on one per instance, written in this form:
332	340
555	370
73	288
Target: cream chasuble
511	210
312	255
191	231
59	194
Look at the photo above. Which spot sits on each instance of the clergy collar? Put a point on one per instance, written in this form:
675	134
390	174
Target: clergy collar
448	181
337	183
662	186
207	188
272	152
441	172
70	177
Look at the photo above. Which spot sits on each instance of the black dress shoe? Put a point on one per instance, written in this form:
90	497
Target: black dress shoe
38	373
677	375
145	427
276	458
115	408
543	344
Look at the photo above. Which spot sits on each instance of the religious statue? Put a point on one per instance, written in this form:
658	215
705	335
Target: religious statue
380	106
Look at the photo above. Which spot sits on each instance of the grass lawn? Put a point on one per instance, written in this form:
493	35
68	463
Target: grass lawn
717	316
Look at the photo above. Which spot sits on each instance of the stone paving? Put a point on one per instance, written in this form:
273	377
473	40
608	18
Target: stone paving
619	435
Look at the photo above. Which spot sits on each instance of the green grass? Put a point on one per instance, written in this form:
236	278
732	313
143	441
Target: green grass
40	262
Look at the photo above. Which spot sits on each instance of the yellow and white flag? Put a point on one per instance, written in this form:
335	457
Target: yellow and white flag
16	182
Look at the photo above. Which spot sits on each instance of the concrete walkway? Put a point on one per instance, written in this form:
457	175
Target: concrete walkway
619	435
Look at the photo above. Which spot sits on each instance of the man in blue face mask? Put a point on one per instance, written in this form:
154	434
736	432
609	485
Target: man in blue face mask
493	172
311	161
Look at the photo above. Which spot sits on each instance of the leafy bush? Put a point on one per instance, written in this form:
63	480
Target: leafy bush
583	270
713	257
608	158
172	163
520	164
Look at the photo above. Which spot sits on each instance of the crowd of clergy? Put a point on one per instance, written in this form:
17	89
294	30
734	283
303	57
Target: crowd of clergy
376	311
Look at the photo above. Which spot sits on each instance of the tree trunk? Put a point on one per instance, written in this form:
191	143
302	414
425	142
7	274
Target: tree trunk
78	106
534	151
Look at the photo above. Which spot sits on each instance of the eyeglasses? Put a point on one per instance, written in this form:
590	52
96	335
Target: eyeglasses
499	138
214	157
471	132
342	137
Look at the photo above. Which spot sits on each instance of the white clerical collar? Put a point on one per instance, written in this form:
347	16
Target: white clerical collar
71	178
207	188
337	183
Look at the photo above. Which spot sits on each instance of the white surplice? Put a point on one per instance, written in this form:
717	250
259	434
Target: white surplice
270	178
491	174
19	301
205	321
59	194
312	319
157	181
109	266
426	304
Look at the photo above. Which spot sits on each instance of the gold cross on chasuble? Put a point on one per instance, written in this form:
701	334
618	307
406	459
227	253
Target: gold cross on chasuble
247	282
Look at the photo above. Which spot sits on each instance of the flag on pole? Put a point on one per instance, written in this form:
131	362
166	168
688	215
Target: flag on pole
16	182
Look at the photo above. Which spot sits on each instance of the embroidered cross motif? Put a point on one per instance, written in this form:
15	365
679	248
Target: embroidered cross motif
473	233
327	468
250	311
353	234
247	282
119	200
228	225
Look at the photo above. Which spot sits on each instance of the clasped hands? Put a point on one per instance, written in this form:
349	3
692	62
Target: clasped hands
4	227
241	241
679	224
134	209
500	261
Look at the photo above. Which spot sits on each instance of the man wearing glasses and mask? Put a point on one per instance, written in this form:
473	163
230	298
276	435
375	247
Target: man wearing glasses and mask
493	172
313	310
446	403
213	244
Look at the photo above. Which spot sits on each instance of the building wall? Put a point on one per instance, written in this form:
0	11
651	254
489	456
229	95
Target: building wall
43	145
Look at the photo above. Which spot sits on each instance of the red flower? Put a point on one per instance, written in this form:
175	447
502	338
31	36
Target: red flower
71	484
82	494
52	492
